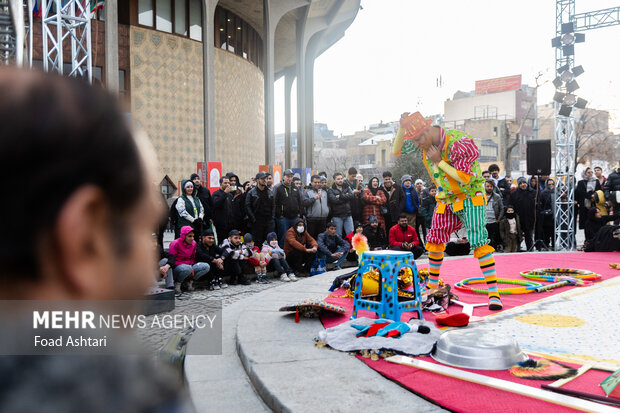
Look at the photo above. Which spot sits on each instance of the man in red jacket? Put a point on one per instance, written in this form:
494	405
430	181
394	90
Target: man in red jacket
404	238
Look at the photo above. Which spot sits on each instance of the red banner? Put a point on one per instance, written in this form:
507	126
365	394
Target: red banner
499	84
277	174
214	173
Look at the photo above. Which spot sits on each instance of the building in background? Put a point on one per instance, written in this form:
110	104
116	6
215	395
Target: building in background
497	113
198	75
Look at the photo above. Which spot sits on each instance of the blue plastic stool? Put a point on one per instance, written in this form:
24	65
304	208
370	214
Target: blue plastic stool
388	263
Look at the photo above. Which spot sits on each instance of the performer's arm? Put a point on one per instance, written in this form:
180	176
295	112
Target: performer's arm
462	156
398	141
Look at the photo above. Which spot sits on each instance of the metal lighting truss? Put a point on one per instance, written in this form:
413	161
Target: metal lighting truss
62	20
565	139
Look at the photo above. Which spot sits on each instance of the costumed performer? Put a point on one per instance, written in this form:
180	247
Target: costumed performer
451	159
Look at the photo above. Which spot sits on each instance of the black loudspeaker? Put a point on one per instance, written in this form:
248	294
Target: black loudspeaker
539	157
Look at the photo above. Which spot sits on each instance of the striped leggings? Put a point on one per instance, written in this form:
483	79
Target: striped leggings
472	217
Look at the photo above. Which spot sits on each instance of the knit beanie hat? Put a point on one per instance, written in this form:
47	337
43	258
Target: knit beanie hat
271	236
248	238
405	178
521	179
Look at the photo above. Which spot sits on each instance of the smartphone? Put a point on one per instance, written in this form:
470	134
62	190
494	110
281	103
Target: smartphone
233	187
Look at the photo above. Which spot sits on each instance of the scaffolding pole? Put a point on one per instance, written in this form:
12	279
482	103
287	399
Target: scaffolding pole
62	21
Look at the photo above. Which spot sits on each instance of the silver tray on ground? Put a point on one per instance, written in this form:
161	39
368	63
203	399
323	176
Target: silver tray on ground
477	349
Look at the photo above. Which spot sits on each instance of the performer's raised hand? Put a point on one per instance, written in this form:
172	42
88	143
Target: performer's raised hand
433	154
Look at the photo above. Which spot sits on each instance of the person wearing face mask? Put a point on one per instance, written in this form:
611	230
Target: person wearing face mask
404	238
276	257
510	230
375	234
300	248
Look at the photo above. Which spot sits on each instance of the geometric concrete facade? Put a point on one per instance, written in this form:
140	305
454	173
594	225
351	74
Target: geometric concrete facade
167	98
239	114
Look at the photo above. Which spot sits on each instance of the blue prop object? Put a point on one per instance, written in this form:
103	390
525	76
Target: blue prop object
388	263
395	329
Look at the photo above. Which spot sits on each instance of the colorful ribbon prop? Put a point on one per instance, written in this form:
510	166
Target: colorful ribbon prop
560	274
527	286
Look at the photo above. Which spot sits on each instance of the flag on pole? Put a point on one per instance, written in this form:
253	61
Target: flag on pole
96	5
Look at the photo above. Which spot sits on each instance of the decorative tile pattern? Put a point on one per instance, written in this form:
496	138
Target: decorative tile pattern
167	98
239	114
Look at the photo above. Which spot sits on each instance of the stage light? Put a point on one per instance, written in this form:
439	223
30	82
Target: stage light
567	76
572	86
577	70
564	68
568	39
556	42
565	110
580	37
568	27
559	97
557	82
581	103
568	50
570	99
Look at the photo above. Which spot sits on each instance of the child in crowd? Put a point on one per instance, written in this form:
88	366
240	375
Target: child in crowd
428	206
509	230
352	255
258	260
276	258
235	254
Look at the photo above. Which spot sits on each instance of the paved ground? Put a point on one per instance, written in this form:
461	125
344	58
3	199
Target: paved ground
194	303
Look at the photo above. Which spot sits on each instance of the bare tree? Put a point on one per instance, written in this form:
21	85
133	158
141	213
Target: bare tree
512	133
330	160
593	139
410	164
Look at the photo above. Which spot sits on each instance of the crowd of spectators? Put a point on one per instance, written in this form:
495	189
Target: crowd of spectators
288	228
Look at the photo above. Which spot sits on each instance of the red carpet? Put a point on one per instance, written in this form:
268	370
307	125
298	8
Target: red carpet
463	396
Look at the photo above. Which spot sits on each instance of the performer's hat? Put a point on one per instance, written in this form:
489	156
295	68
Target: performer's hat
415	125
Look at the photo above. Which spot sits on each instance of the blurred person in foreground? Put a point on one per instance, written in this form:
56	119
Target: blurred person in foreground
88	240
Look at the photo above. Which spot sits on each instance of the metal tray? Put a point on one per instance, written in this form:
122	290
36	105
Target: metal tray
477	349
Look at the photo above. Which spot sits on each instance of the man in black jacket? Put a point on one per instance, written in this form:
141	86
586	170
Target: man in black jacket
612	190
210	253
354	181
222	209
205	198
259	206
523	199
287	201
395	200
339	197
375	234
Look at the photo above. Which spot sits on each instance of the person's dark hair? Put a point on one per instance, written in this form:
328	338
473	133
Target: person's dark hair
315	177
493	167
323	173
66	134
598	167
336	174
432	186
402	215
296	178
352	171
387	173
485	172
330	224
224	177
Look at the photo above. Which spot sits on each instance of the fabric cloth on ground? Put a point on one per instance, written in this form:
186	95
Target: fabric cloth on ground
343	338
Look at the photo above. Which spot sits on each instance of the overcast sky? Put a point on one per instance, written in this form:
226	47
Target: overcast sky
390	58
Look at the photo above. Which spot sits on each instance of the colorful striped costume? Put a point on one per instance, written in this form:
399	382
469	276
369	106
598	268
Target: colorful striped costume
460	202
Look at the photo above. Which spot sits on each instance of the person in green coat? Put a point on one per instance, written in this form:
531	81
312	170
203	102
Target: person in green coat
189	208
